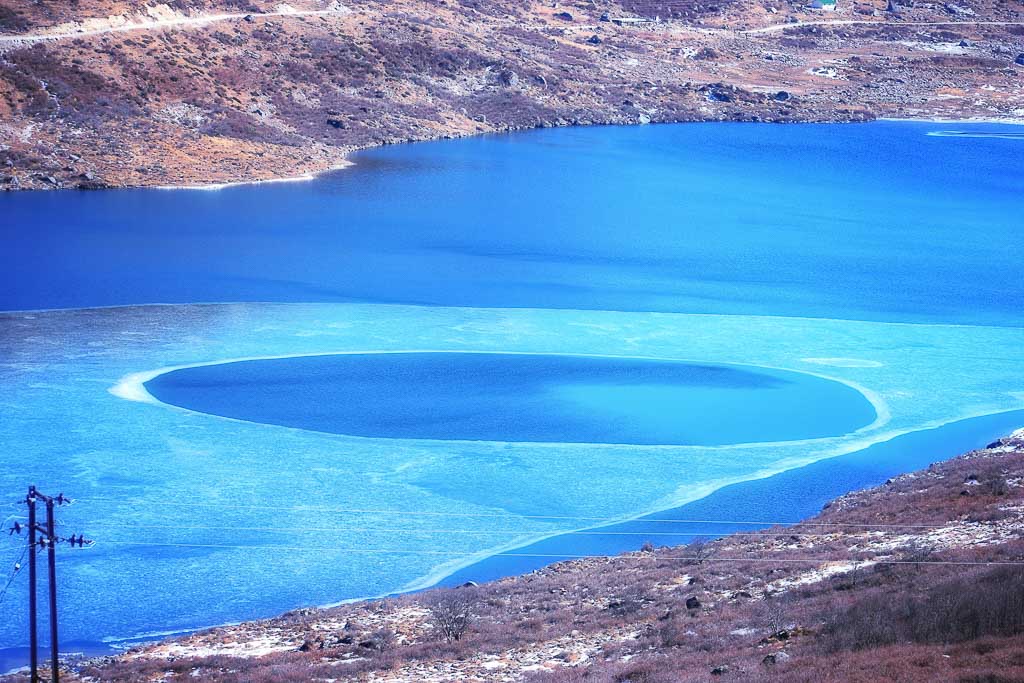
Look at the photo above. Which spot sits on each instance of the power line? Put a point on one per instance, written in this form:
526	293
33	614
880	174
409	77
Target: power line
452	553
480	532
14	572
483	532
494	515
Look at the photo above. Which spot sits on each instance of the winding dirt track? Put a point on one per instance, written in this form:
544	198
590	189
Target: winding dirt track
165	23
214	18
775	28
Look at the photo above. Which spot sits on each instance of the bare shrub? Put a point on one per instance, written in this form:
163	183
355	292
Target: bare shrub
774	615
11	21
452	612
989	603
994	483
698	551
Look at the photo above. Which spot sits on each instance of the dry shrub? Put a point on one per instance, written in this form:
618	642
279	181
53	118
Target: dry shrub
452	612
990	603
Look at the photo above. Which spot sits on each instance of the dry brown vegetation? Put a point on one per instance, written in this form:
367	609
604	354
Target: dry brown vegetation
258	97
921	579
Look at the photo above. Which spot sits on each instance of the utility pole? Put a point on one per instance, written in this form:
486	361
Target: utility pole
44	537
51	546
32	641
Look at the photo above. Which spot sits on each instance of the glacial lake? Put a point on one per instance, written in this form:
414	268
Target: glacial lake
452	360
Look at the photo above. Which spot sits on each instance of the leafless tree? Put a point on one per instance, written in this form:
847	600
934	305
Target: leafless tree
451	612
774	615
922	552
698	551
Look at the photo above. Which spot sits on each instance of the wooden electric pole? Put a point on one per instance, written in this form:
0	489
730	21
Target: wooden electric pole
39	537
32	642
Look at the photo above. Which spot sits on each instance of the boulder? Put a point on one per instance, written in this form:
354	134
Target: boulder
89	181
782	96
720	670
564	16
692	603
775	658
594	39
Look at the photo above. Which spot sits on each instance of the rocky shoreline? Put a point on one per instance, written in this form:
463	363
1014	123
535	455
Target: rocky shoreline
279	93
797	603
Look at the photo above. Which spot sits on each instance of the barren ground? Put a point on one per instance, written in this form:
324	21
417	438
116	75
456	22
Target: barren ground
98	93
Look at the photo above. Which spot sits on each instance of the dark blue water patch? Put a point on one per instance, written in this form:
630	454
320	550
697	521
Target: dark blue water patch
521	398
879	221
788	498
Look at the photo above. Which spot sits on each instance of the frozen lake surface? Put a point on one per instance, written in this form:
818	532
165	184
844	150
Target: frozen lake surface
578	280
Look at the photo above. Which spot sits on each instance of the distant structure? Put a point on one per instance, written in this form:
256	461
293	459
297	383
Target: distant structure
632	21
827	5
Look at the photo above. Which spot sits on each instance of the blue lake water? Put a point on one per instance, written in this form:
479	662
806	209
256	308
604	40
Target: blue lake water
854	222
521	397
728	320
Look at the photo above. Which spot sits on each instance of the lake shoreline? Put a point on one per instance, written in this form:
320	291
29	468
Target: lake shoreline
487	566
309	172
180	643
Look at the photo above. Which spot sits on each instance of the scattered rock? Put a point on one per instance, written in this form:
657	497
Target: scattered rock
958	10
775	658
89	181
508	78
720	670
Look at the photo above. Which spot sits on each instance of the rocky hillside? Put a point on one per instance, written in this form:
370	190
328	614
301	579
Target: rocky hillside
100	93
921	579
